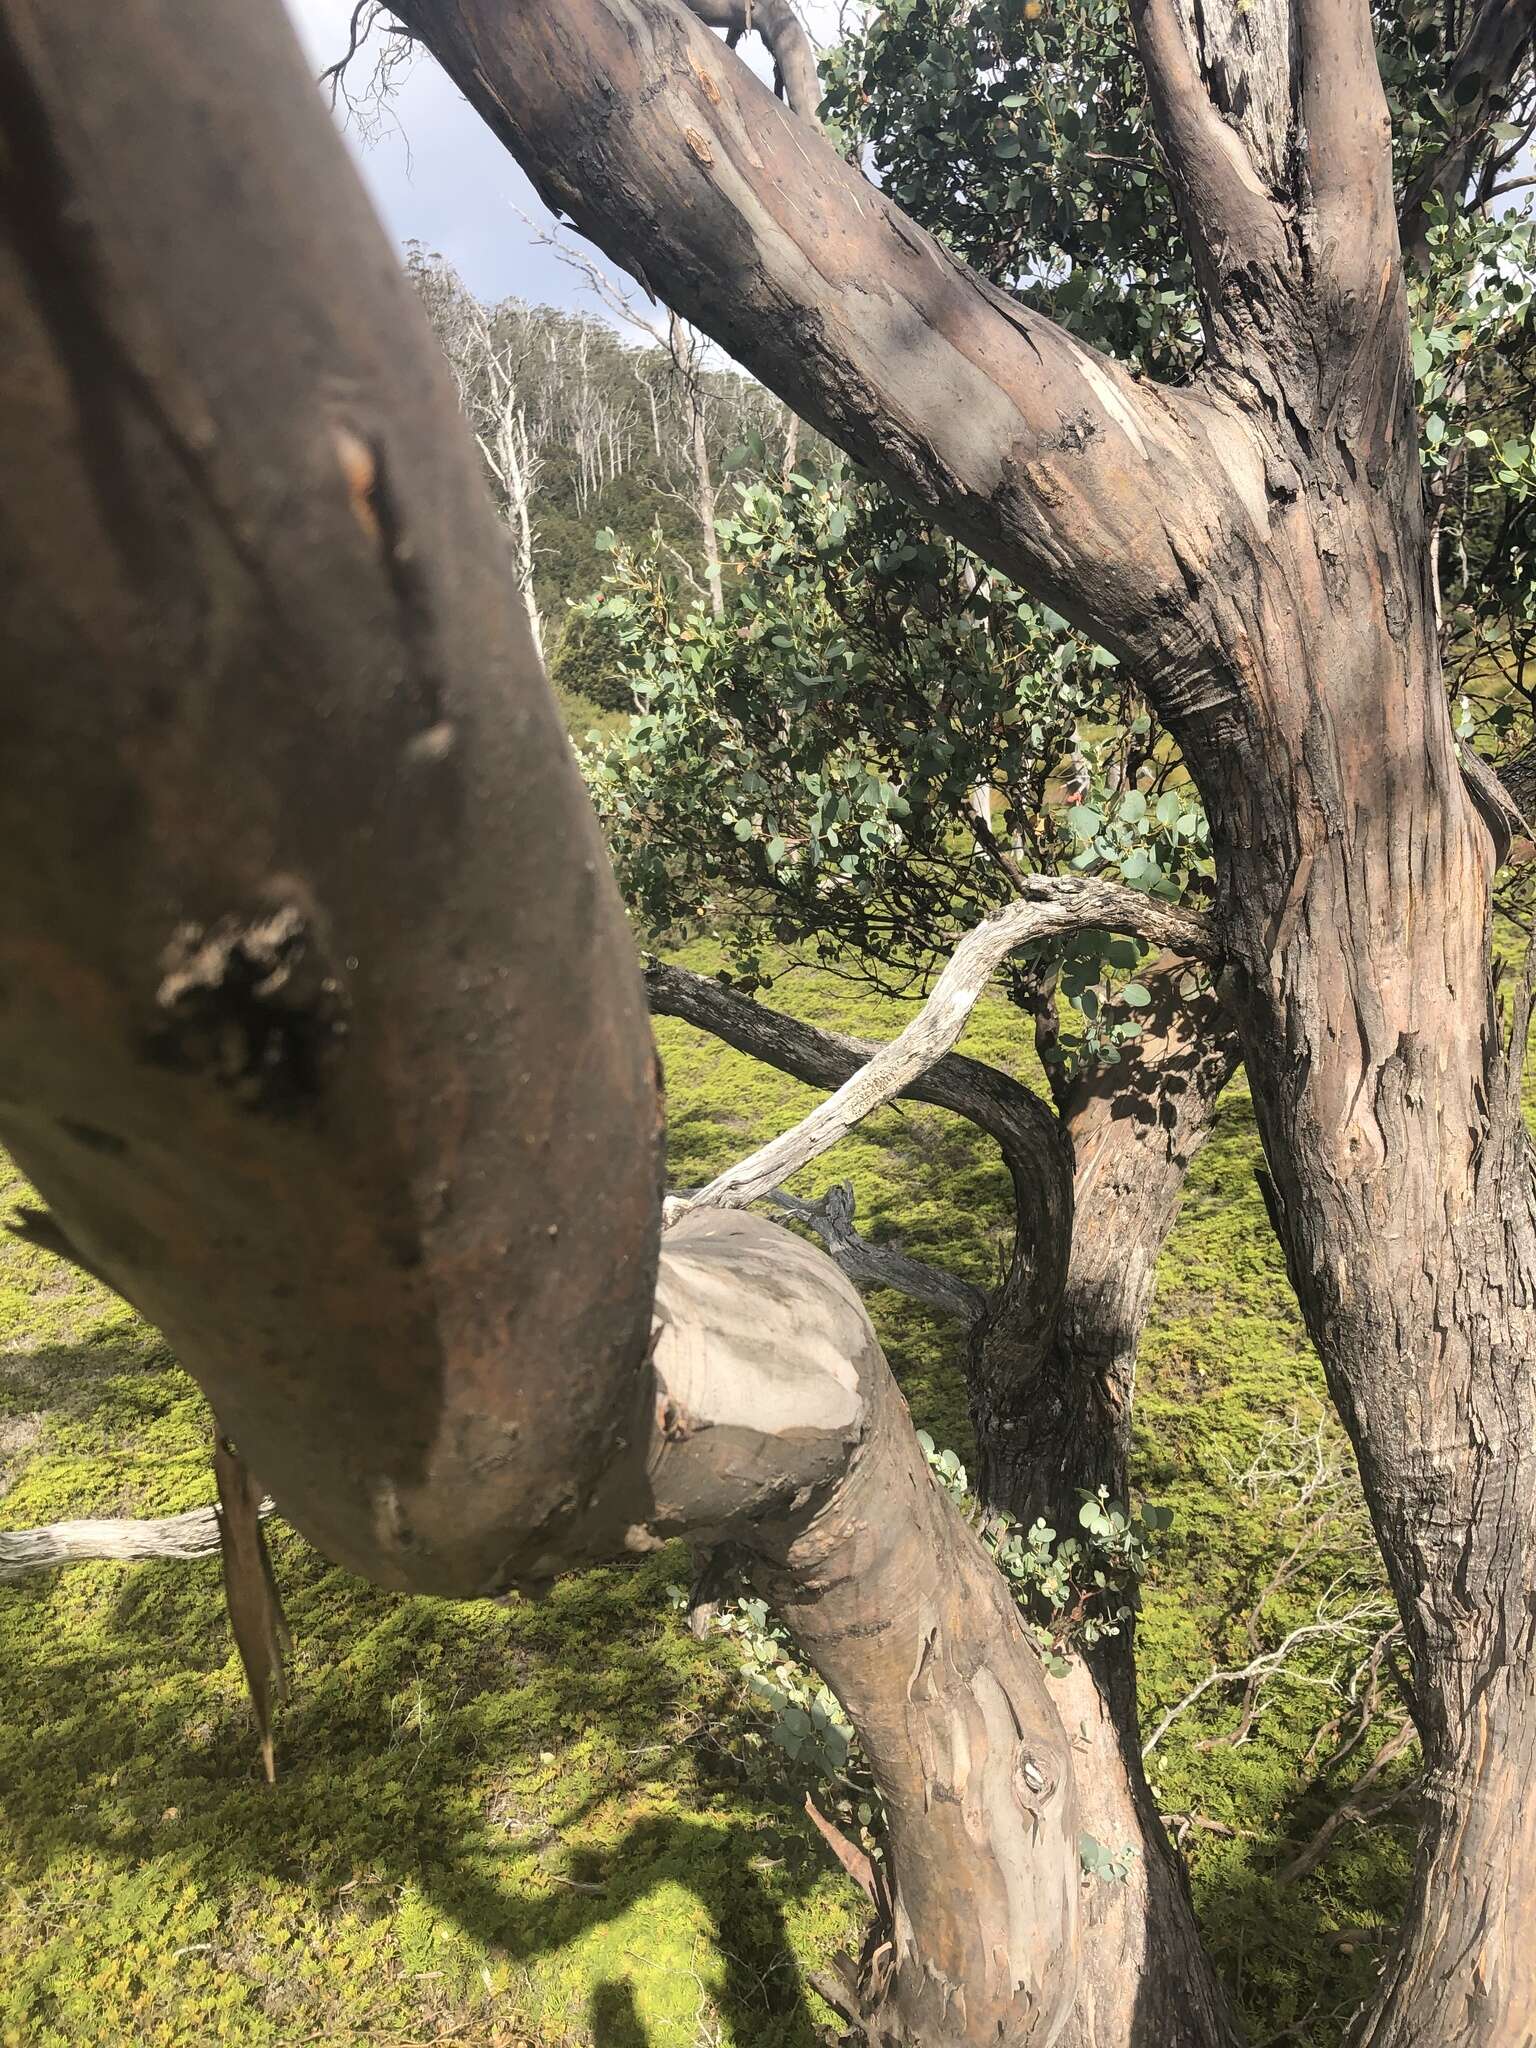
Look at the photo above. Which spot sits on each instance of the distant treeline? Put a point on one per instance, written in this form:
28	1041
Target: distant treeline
586	427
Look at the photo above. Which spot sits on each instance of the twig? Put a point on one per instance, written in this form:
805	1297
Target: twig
1354	1808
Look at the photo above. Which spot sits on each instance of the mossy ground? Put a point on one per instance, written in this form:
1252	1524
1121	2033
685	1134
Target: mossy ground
536	1823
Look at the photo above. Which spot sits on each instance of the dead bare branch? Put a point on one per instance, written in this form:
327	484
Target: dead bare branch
115	1540
1051	905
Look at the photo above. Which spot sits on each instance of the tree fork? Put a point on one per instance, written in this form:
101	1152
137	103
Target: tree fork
1052	1374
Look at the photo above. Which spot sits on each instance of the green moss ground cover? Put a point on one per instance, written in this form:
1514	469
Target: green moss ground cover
553	1822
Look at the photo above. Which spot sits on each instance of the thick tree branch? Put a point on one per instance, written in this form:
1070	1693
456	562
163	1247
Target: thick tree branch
1274	122
1052	907
1347	135
1228	175
636	122
242	1089
322	1036
794	58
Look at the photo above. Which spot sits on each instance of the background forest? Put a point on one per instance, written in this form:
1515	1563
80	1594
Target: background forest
825	741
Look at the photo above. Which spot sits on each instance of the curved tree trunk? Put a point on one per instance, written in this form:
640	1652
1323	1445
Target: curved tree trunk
320	1029
1052	1372
1146	1980
1356	866
1404	1201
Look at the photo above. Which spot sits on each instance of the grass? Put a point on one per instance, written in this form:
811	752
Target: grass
545	1822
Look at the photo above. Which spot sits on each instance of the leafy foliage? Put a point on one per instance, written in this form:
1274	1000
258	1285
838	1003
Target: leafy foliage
867	750
1020	136
1474	357
1075	1589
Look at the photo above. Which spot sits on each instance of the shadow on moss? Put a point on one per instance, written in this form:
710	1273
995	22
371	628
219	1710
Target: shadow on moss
434	1816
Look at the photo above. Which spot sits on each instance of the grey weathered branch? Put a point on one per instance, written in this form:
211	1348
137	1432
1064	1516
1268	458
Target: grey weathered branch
1053	906
1025	1129
121	1541
794	57
867	1265
880	1265
1328	1625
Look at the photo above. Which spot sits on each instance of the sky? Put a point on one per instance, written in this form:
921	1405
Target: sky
438	175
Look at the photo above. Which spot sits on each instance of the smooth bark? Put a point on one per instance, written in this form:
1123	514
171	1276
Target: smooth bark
1254	548
321	1031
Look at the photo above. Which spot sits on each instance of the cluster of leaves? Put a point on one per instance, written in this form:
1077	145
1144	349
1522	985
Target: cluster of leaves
870	746
1020	136
1075	1589
1474	359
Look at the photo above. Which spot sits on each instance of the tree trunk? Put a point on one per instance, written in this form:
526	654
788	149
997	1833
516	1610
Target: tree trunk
320	1029
1358	876
1146	1980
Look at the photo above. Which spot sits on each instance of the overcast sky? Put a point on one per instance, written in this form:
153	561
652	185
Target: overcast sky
439	176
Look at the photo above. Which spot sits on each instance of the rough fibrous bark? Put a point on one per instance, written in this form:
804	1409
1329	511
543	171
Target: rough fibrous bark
1135	1130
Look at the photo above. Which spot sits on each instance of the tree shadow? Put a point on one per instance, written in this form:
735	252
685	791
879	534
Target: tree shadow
612	2016
122	1747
